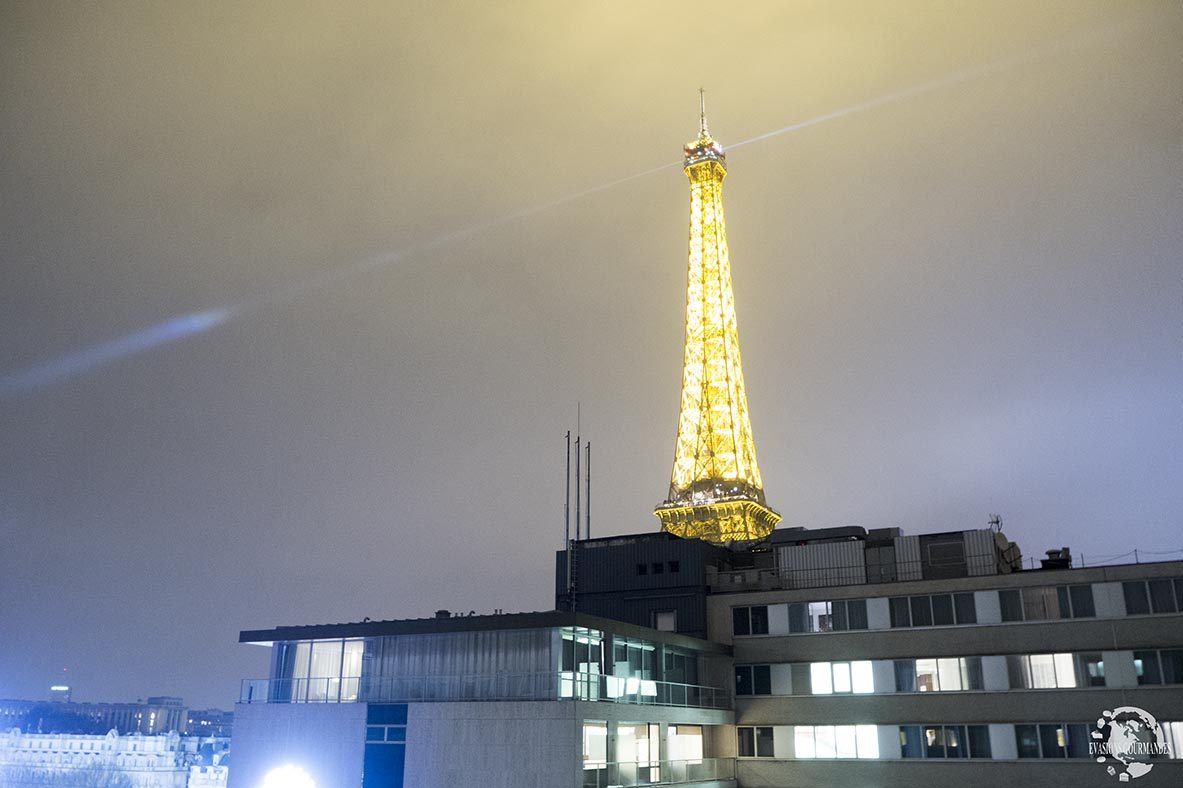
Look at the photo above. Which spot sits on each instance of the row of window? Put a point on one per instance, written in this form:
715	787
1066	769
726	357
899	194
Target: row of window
1055	740
1036	603
932	610
956	674
828	616
1153	596
1047	603
659	567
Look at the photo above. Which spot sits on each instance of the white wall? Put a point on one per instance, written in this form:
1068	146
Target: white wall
878	613
778	619
988	608
327	740
782	678
493	745
884	672
994	674
1119	669
1002	742
1109	599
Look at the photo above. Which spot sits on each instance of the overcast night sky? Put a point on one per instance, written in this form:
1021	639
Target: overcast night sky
297	300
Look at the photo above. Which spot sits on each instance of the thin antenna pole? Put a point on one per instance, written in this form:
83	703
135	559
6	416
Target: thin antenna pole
587	529
567	501
702	113
577	479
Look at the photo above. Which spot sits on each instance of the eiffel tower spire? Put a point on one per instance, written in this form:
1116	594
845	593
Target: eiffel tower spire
715	490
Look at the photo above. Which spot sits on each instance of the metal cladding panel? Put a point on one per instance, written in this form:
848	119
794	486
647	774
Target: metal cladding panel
824	564
980	556
907	558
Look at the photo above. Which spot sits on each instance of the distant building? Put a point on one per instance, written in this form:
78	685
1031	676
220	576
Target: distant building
167	761
158	714
209	722
60	693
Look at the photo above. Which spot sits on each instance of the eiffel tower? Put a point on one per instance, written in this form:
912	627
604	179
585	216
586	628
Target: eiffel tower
715	490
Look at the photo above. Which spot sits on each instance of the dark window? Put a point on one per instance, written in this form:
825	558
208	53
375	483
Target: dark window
568	656
942	609
375	734
740	624
1172	666
658	567
1090	670
675	566
955	746
899	612
798	618
838	616
1162	596
964	605
1062	601
743	679
755	742
921	611
1146	665
760	620
1027	741
1082	601
1016	671
978	738
1078	740
764	743
747	742
761	679
910	742
1136	601
642	569
394	733
905	675
1051	740
1179	591
1011	603
945	741
857	613
973	670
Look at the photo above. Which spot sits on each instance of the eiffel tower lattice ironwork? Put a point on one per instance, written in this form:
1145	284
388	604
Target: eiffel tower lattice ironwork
715	490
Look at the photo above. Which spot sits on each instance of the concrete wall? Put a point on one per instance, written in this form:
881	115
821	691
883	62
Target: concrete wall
761	773
1072	705
493	745
325	740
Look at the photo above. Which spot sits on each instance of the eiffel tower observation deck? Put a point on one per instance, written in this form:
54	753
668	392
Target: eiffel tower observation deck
715	490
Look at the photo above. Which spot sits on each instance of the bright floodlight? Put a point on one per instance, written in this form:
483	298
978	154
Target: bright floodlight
288	776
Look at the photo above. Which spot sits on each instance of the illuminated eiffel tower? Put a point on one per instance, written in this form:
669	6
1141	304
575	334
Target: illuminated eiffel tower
715	491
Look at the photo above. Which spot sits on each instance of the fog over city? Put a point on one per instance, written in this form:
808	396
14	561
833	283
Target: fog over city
298	303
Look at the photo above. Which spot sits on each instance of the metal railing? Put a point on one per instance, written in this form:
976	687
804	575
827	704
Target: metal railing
626	775
484	687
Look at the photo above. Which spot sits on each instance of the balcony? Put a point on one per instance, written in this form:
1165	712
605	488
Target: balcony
627	775
592	687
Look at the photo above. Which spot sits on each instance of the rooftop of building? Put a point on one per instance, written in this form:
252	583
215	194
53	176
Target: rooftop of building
446	622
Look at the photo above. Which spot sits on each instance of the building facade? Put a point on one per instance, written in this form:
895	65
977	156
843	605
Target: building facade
543	700
134	761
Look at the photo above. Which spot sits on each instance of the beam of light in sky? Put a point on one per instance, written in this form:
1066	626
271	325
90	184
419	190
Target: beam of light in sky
71	364
53	371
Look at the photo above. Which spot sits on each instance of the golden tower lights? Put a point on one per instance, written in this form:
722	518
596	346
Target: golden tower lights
715	490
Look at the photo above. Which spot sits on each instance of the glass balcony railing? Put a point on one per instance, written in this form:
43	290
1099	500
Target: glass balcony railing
626	775
492	687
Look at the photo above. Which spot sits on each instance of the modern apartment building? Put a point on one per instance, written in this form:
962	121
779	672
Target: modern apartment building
882	659
542	700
